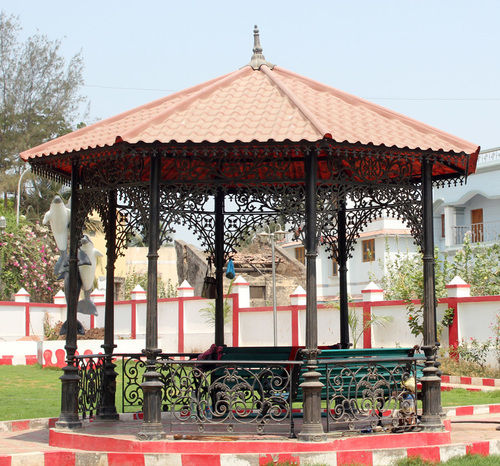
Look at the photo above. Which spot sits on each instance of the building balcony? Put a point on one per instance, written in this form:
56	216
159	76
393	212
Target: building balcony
485	232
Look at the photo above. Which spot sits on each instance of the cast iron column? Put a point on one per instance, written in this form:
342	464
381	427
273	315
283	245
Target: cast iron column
152	428
219	267
69	390
431	382
312	427
107	409
342	263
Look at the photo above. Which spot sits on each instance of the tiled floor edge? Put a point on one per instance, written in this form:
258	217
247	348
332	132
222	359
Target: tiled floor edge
373	457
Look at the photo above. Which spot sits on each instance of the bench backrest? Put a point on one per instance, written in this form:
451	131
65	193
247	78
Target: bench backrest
327	353
357	361
256	353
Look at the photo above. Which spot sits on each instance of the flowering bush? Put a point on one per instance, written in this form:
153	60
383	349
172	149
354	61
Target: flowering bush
27	257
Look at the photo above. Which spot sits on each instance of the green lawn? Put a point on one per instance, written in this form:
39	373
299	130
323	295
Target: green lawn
29	392
461	397
467	460
33	392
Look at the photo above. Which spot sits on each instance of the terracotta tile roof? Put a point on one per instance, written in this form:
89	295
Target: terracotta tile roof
264	104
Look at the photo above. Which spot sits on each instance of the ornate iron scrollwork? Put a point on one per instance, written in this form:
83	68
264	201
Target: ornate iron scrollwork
370	395
90	386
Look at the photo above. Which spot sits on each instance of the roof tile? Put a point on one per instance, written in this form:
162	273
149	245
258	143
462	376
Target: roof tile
260	105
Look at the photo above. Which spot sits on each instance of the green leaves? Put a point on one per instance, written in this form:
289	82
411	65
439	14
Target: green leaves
133	278
478	265
27	257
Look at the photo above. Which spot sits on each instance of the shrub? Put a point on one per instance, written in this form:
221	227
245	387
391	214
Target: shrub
165	289
27	256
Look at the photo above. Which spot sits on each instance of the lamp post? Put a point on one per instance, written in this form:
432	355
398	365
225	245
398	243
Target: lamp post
19	193
273	252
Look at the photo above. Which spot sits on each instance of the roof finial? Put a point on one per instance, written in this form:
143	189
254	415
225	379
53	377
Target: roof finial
258	58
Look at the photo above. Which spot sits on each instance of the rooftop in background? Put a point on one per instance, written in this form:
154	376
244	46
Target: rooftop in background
488	158
259	102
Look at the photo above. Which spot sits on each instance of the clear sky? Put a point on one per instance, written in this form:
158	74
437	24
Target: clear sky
434	60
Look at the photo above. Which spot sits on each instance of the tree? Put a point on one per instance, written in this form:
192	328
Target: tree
39	100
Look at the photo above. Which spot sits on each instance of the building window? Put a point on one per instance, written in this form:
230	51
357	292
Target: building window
476	220
368	250
335	267
442	226
257	292
300	254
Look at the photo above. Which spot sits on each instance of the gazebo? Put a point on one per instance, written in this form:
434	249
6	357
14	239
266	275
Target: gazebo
223	157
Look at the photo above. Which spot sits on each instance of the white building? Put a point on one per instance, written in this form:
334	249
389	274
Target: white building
473	207
381	240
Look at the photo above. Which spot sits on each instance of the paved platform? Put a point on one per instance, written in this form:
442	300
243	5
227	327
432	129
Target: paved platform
115	444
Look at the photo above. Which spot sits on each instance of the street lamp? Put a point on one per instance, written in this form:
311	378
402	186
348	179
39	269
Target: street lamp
19	193
275	313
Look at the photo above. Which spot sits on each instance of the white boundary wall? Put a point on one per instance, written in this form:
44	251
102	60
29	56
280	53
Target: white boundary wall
183	328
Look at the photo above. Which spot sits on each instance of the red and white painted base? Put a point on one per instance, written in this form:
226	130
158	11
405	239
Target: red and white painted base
374	457
380	449
476	381
331	458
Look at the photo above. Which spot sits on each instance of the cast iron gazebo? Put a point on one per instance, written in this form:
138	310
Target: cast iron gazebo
223	157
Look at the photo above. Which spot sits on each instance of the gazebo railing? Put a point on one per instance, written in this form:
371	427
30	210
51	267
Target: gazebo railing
376	394
262	397
217	396
229	396
90	386
133	367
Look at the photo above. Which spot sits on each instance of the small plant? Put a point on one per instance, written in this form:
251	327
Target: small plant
208	312
496	330
415	315
50	332
165	289
358	329
452	364
474	351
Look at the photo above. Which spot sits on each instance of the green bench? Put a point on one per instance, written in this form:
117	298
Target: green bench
255	367
243	384
357	374
376	369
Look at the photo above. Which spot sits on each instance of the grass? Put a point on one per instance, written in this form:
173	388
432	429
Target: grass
467	460
462	397
29	392
33	392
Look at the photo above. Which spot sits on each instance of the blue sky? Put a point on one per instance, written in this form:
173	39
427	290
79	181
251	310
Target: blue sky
436	61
